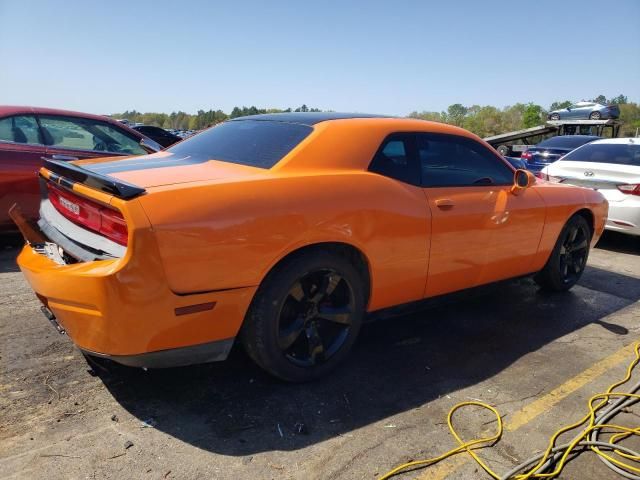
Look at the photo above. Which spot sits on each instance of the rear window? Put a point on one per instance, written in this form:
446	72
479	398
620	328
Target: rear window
623	154
257	143
566	142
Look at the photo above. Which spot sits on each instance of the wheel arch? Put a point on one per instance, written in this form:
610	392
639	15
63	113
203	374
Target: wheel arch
355	256
589	217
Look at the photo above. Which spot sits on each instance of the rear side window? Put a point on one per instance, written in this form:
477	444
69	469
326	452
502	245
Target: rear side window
453	161
256	143
395	159
620	153
20	129
75	133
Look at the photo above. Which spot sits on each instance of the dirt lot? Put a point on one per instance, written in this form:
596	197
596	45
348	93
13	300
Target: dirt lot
536	357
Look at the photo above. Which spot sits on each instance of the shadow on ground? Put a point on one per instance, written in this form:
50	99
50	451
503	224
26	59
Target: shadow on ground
619	242
398	364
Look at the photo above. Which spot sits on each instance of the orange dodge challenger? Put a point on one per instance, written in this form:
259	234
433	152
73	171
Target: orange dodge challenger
283	231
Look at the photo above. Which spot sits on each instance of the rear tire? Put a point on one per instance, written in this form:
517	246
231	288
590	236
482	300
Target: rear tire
305	316
504	150
568	258
554	116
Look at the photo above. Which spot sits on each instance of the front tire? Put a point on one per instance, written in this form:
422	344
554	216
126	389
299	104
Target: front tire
595	116
554	116
305	316
568	258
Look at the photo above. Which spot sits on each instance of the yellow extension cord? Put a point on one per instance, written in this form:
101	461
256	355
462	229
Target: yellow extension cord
471	445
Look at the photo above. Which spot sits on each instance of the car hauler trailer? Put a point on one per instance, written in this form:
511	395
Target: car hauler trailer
514	143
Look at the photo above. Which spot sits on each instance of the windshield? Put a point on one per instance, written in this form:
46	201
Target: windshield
257	143
567	141
620	153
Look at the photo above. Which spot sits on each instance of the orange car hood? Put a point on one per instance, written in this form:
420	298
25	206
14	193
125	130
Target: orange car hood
164	168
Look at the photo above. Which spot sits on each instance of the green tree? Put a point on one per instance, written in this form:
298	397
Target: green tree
600	99
456	114
533	115
431	116
484	121
630	116
560	105
619	100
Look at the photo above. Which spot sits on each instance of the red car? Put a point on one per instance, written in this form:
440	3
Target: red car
29	135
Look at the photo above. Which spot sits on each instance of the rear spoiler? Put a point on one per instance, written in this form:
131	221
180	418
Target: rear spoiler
74	173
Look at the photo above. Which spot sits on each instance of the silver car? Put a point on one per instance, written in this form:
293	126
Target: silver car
585	111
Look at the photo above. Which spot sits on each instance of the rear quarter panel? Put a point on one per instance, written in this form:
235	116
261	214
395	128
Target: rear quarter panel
230	235
562	202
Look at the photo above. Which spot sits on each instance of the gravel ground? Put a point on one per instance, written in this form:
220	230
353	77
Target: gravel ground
509	345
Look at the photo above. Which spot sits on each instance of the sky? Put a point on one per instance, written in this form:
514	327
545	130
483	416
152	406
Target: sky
387	57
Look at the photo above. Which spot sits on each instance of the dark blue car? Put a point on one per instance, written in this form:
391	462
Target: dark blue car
551	149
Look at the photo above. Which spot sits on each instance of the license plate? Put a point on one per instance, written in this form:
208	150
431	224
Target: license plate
72	207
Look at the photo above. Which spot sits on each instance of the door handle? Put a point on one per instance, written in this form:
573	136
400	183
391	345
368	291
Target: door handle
445	203
64	158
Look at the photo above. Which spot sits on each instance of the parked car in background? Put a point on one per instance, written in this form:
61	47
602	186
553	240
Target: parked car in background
517	162
612	167
585	111
551	149
160	135
283	230
29	135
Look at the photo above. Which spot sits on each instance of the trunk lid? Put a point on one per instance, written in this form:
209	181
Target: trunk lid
604	177
165	168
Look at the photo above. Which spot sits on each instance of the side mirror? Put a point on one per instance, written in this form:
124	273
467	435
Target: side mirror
522	180
150	146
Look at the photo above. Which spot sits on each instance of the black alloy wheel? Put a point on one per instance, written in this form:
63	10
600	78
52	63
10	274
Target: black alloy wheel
306	315
315	318
574	253
568	258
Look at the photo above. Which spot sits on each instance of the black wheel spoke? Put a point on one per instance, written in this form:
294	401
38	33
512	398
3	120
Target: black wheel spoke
297	292
316	349
329	283
564	266
580	245
333	279
288	335
316	317
572	235
340	315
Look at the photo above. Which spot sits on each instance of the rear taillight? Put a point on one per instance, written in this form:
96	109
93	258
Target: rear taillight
526	156
93	216
630	189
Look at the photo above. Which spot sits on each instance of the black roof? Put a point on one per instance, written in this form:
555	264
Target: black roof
308	118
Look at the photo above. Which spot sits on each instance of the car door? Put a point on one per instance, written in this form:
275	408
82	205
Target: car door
21	152
402	253
481	232
73	138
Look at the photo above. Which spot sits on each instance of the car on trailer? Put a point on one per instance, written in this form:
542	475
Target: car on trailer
585	111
